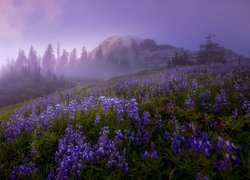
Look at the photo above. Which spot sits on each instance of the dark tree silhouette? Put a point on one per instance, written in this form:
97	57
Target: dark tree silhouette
99	55
73	59
49	62
33	62
63	62
180	59
84	55
209	52
21	61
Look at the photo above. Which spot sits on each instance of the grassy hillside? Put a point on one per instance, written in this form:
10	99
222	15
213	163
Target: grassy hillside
20	90
183	123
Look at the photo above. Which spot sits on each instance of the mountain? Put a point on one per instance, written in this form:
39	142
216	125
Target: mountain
135	52
115	44
118	55
229	55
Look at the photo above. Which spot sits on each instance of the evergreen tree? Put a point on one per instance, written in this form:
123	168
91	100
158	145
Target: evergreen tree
82	61
21	61
58	51
33	60
209	52
169	65
84	55
73	59
37	70
63	62
99	54
180	59
48	61
184	59
175	58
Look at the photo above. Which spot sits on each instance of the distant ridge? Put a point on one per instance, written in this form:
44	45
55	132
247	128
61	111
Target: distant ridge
142	53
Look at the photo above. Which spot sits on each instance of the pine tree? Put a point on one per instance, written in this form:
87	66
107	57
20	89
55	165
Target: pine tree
180	59
58	51
84	55
184	59
169	65
99	54
63	62
21	61
49	62
37	72
73	59
33	60
209	52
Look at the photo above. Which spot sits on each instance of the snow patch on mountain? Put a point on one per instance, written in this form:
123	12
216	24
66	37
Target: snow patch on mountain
114	43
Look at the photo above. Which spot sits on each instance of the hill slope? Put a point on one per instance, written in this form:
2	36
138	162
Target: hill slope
184	123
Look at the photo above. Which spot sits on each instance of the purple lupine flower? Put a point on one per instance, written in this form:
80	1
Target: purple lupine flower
132	109
107	150
246	106
235	113
200	144
72	151
72	108
51	175
176	145
140	137
21	120
25	169
158	121
220	101
97	119
145	120
118	134
201	176
106	104
122	163
189	102
205	99
119	106
86	104
174	121
177	142
230	151
221	165
151	153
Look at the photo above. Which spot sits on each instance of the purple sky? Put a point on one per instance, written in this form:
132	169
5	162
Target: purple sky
77	23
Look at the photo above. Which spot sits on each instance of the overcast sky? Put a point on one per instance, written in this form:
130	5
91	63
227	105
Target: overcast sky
77	23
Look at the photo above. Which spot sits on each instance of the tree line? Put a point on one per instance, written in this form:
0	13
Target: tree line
47	65
30	76
208	52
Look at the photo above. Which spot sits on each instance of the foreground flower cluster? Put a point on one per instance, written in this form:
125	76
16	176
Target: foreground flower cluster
159	124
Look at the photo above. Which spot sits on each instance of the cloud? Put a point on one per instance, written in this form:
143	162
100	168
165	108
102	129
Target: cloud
8	14
52	9
15	15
